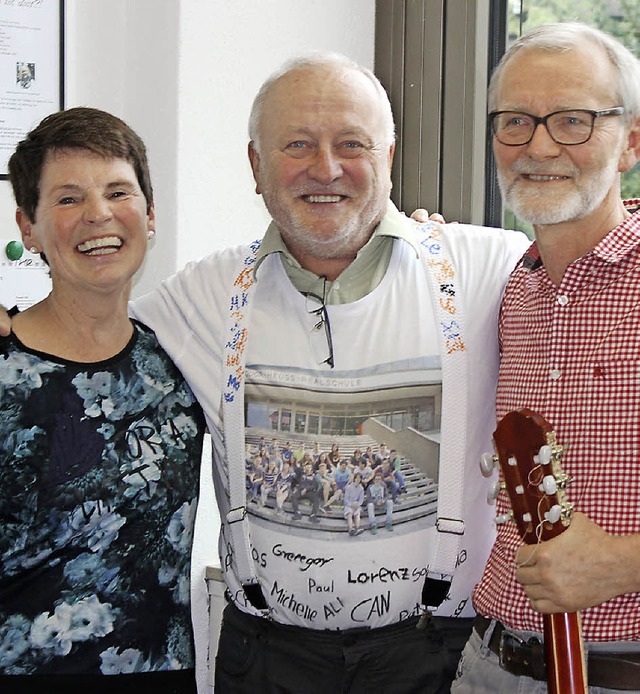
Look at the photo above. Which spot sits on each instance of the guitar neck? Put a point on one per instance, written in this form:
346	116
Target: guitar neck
529	458
564	655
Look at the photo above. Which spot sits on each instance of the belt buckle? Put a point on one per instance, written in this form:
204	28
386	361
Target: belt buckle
509	641
521	657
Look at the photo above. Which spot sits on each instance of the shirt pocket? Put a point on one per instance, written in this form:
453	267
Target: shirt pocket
612	405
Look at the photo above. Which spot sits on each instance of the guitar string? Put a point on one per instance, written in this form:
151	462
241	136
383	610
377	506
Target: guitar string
539	528
538	534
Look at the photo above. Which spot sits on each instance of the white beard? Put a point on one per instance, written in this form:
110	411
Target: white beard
535	205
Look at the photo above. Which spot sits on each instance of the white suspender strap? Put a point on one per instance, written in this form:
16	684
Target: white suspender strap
447	302
233	418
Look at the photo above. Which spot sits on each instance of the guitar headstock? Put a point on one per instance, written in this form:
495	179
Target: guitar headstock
529	457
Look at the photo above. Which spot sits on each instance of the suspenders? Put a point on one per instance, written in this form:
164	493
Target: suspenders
449	525
445	294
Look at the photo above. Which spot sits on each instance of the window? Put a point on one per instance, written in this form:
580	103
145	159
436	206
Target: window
431	56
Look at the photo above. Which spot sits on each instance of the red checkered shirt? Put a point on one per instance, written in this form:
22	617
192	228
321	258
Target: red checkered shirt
572	353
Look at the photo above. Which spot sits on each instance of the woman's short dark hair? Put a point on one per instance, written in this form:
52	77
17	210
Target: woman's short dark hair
76	128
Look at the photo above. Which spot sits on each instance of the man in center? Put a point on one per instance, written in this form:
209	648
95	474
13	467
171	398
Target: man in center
299	333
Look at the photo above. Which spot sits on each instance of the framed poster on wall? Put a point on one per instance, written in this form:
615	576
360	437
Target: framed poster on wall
31	68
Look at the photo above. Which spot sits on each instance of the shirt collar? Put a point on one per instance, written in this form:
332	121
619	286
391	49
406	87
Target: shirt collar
394	224
620	241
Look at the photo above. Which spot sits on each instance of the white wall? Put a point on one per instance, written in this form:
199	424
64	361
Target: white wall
183	73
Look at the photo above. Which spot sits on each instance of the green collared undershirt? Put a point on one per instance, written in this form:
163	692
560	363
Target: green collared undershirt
361	276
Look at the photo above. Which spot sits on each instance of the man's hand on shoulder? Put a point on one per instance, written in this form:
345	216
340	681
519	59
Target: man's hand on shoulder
421	215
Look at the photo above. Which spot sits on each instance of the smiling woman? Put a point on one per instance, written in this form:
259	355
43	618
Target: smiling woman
100	437
91	224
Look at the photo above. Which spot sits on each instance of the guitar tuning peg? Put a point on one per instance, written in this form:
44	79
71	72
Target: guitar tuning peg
549	485
494	490
544	456
503	518
554	514
488	462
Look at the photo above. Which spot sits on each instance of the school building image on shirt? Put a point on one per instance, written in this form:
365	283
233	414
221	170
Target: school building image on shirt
297	422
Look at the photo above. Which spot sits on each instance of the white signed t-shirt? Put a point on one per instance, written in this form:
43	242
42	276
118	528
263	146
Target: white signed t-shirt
385	388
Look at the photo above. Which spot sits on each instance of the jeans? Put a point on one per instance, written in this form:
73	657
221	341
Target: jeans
372	513
480	673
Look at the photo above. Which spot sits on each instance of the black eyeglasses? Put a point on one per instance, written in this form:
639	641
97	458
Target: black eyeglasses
571	127
317	308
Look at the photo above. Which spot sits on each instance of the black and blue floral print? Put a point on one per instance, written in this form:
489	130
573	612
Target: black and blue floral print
99	468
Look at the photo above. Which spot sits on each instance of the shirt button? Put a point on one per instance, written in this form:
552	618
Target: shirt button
563	299
554	374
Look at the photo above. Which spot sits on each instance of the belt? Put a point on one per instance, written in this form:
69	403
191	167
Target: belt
610	670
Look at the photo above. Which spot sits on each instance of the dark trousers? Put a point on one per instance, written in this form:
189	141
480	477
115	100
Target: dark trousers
312	495
256	656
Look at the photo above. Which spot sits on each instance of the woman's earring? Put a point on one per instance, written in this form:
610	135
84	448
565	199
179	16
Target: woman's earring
150	234
34	250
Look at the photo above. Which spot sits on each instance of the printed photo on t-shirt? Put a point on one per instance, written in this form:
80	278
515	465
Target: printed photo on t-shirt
342	490
303	451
